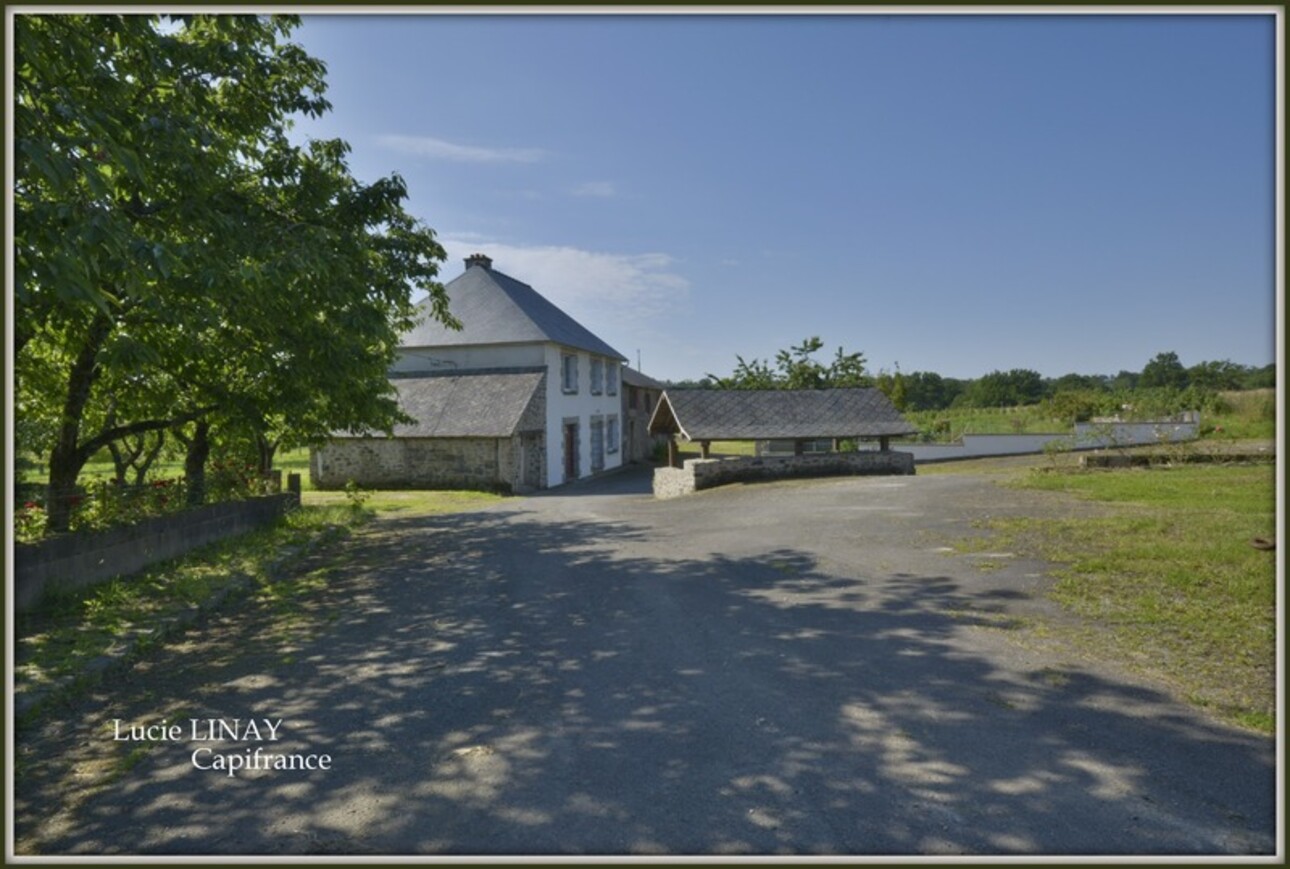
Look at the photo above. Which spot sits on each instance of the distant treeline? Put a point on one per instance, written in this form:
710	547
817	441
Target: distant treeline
1073	395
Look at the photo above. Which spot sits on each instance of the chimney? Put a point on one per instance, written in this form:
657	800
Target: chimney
480	260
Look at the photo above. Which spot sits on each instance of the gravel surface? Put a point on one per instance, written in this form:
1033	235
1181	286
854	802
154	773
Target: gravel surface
787	668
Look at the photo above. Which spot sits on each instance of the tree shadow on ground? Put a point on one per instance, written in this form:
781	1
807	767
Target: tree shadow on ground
490	683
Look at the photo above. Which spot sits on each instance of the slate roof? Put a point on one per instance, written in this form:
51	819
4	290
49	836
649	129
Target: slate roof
765	414
467	405
494	308
632	377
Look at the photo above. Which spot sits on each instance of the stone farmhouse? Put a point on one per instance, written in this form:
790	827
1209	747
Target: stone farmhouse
521	398
641	394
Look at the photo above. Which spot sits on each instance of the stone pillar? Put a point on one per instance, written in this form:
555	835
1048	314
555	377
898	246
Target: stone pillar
671	452
704	446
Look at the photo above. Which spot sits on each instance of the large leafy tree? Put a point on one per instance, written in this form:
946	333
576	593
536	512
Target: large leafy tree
1164	370
1019	386
177	258
797	368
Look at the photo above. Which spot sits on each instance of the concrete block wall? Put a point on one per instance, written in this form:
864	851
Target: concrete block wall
71	561
700	474
1086	436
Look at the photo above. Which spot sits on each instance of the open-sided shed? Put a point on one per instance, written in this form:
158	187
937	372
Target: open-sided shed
799	415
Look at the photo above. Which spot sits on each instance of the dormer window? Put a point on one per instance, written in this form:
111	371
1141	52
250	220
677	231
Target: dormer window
569	372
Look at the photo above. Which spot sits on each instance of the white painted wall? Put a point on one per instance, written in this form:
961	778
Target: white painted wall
1086	437
582	405
446	359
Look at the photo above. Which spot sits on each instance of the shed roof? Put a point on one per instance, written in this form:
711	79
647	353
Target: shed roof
765	414
467	405
632	377
494	308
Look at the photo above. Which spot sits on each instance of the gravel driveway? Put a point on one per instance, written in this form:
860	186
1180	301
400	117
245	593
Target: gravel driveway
789	668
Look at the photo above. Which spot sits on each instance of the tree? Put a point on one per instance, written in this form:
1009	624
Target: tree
796	368
1216	376
177	258
1020	386
927	390
1164	371
1077	382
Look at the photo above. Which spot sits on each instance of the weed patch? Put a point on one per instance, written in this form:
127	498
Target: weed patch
1171	576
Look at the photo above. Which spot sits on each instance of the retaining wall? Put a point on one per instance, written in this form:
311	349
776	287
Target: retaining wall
1087	436
699	474
77	560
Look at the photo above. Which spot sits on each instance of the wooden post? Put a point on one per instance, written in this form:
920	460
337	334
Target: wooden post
703	448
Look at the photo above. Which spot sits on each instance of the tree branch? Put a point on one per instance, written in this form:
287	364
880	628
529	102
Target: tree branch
107	436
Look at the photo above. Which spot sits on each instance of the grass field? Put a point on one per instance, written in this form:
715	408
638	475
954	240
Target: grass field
1249	414
1170	582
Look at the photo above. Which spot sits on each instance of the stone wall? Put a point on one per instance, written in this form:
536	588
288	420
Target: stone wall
76	560
417	463
530	462
706	473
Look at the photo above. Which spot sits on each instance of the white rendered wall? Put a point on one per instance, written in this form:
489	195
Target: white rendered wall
582	405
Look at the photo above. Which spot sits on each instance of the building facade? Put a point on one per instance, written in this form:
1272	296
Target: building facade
522	397
640	397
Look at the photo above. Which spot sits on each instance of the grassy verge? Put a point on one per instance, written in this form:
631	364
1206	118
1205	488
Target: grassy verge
1170	581
60	642
403	503
687	450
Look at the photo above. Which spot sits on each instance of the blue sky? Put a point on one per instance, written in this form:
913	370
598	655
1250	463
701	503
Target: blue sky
959	194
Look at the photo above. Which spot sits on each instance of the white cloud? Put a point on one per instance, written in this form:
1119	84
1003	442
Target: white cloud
601	189
611	294
438	149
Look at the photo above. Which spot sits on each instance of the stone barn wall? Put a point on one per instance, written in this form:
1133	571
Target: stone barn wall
705	473
418	463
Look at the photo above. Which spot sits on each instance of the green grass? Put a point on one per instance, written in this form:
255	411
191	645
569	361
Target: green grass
71	628
1250	414
951	424
1170	579
688	450
1253	415
411	502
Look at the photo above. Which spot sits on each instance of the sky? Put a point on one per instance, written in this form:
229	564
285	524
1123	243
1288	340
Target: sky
949	193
